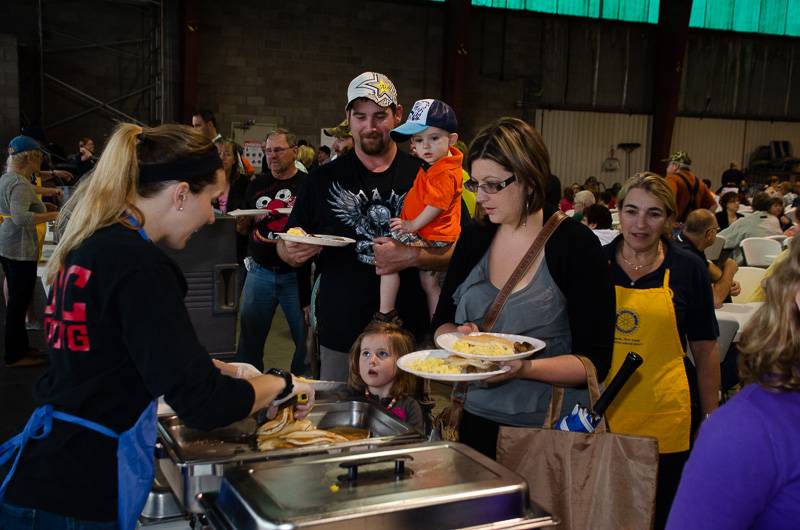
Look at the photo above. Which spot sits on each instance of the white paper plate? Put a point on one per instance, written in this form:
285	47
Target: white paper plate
404	362
241	213
257	211
323	386
447	340
318	239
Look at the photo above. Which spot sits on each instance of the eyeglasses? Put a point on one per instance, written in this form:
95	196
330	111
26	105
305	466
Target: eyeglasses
714	229
489	187
276	150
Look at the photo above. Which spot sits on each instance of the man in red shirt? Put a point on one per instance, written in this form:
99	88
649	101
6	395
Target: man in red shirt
690	192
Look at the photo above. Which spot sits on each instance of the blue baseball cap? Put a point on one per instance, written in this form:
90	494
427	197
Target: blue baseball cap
426	113
22	144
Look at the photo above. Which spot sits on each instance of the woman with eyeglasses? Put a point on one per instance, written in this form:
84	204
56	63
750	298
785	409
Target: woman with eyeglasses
729	213
565	299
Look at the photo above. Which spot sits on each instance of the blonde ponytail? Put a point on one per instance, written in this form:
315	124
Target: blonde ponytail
102	198
108	194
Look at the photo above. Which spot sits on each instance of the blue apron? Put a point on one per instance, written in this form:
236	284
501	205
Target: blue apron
135	451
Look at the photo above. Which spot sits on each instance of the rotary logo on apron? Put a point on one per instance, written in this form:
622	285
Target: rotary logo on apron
655	401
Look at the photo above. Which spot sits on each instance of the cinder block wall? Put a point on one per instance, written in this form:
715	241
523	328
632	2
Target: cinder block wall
9	88
290	62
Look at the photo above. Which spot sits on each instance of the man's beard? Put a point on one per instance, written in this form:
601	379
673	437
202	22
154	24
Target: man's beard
373	144
279	167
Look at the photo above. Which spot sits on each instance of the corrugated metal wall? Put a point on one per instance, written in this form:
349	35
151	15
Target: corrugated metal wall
711	144
762	132
579	142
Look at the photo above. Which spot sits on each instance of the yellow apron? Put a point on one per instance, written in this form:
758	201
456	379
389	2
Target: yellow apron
41	228
655	401
468	196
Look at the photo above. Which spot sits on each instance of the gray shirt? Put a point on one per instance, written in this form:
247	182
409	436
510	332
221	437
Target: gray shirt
538	310
18	203
757	224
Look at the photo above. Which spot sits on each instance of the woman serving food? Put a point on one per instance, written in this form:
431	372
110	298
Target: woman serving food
119	336
565	299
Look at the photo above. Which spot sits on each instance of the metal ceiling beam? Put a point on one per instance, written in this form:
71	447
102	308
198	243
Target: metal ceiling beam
142	52
104	45
100	46
100	104
672	35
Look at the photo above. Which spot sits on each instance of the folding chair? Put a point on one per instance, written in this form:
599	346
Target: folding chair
727	331
749	278
713	252
760	251
780	239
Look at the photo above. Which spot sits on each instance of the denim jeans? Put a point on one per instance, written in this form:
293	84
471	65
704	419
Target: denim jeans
263	291
19	518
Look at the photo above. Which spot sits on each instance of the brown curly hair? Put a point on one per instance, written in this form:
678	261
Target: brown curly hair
401	342
769	350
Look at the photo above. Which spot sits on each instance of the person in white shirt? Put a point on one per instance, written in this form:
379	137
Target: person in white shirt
598	218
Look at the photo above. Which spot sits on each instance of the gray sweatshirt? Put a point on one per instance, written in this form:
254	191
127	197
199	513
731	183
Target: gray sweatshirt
18	203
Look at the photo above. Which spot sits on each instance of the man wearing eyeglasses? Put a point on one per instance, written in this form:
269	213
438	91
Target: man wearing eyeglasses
270	281
698	234
355	196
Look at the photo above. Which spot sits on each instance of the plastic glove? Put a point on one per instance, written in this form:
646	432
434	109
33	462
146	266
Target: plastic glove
245	371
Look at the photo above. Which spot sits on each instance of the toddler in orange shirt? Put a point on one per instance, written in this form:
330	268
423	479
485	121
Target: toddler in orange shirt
431	214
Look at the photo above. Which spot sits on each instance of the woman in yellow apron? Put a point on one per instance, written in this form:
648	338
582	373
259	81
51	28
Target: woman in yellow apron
664	298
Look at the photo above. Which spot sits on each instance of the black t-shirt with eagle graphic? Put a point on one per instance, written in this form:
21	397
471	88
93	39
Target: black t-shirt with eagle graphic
265	192
344	198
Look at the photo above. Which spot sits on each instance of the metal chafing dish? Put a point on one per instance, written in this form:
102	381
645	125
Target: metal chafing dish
161	504
440	485
197	459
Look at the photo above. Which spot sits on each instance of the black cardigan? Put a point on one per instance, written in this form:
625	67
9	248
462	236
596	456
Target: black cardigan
722	219
578	266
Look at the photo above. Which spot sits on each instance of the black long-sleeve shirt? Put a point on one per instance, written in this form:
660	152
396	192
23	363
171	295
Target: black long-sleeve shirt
119	336
578	266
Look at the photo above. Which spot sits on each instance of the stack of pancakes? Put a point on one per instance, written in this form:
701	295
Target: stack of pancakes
285	432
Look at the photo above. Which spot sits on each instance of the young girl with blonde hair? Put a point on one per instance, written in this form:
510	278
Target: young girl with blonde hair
374	372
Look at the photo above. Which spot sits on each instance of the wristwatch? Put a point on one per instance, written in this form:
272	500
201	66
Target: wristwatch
287	377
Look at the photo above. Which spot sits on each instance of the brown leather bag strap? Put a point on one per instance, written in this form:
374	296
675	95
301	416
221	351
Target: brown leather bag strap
522	268
557	398
459	392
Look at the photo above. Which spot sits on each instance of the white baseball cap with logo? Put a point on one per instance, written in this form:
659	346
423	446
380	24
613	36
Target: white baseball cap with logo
373	86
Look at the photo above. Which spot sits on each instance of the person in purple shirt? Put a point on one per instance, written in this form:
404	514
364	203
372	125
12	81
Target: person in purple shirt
744	470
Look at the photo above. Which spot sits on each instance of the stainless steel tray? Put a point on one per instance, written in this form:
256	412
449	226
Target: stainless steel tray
197	459
426	486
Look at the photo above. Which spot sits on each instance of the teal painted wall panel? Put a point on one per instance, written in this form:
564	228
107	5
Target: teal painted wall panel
772	17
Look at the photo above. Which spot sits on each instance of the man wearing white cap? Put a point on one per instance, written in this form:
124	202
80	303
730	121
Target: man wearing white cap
356	196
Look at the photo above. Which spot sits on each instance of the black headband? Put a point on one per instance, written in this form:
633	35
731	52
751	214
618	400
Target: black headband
182	169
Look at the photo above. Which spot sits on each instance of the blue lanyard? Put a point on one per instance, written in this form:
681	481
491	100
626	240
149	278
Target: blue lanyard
140	228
